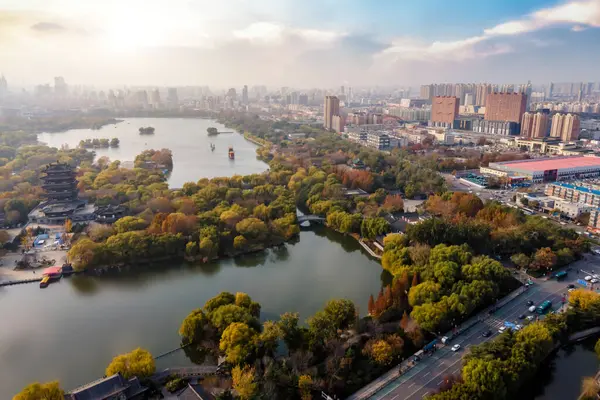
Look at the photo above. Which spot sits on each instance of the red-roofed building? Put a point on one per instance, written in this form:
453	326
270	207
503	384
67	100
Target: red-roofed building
547	169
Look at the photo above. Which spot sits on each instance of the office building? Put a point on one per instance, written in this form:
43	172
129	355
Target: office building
331	108
505	107
172	97
573	193
379	140
444	110
527	125
60	87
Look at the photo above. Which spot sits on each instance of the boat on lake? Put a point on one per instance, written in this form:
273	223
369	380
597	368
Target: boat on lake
149	130
44	282
212	147
231	153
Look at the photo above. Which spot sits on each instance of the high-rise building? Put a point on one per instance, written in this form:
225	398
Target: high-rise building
557	125
481	92
505	107
541	121
303	99
549	90
570	127
427	92
527	125
444	110
60	87
331	108
155	98
231	93
245	94
172	97
3	85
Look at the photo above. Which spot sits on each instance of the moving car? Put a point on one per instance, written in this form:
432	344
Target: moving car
570	286
456	347
530	318
522	316
487	333
502	329
518	327
530	302
532	308
588	278
594	280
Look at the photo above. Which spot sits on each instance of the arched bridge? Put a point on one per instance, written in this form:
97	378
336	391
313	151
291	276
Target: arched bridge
310	218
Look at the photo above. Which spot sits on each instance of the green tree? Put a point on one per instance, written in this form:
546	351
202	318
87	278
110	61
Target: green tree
426	292
41	391
219	300
129	223
291	332
238	342
520	260
270	336
484	377
225	315
252	228
138	363
82	254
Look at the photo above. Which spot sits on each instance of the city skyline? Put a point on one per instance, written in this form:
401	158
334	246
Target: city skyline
235	43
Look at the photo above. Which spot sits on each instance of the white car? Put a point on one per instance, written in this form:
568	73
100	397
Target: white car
502	329
594	280
518	327
530	318
570	290
456	347
588	278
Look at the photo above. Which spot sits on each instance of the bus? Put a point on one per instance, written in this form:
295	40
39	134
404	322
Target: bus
560	275
528	211
542	308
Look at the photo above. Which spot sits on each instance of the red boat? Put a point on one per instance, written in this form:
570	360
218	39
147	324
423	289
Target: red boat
231	153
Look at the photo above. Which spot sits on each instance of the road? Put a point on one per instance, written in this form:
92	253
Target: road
426	377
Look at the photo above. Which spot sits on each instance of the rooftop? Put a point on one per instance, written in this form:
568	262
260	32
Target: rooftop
552	163
578	188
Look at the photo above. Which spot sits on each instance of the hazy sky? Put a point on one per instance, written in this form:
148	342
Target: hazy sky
299	43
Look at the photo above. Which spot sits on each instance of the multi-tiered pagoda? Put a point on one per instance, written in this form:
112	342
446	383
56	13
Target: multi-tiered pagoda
59	182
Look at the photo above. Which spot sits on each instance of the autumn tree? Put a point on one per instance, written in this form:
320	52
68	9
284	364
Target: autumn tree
543	259
244	382
192	328
305	386
138	363
237	342
68	225
41	391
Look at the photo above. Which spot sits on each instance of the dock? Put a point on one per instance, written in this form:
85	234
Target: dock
19	282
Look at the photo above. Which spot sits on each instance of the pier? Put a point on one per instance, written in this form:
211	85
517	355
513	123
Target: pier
19	282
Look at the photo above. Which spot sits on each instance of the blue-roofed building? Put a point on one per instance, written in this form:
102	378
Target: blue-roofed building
114	387
574	194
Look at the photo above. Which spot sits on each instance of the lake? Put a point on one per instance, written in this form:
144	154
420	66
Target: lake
71	330
186	137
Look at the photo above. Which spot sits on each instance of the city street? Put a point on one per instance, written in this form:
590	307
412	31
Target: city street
428	374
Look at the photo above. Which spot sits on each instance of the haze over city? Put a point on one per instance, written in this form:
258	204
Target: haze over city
303	43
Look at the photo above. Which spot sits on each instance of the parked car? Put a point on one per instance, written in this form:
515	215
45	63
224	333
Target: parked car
502	329
522	316
530	318
570	286
588	278
530	302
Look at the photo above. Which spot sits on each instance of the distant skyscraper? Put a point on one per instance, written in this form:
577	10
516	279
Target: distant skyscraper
172	97
505	107
549	90
245	94
427	92
481	92
60	87
331	108
303	99
155	98
342	90
232	94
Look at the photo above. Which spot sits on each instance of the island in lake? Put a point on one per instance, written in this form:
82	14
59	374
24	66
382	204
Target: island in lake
98	143
212	131
147	130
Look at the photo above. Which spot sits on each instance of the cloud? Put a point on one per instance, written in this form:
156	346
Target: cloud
583	13
47	27
271	32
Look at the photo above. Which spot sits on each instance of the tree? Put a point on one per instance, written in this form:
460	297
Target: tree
68	225
292	333
270	336
404	321
129	224
193	327
589	389
244	382
219	300
372	227
82	254
41	391
426	292
544	259
252	228
381	352
484	377
238	342
138	363
225	315
305	385
597	348
371	305
520	260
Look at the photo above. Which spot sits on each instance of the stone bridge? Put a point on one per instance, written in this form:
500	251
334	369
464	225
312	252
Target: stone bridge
310	218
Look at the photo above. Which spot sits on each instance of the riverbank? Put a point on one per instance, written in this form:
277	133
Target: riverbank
57	124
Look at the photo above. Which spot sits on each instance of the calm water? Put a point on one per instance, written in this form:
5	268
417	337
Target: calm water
187	138
560	379
71	330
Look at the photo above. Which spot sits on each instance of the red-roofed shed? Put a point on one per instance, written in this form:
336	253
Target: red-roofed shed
53	272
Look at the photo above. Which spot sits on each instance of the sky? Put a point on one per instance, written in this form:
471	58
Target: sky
300	43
